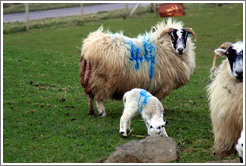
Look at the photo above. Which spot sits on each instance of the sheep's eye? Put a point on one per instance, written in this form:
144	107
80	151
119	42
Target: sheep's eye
159	127
151	127
163	126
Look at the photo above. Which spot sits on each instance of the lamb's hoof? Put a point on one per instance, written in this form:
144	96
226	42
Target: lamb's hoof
123	134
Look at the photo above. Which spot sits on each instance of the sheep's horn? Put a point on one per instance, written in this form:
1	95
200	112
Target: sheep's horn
168	30
214	61
224	46
190	30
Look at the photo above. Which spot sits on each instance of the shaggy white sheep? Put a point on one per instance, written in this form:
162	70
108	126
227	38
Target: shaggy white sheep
239	146
226	98
158	61
140	101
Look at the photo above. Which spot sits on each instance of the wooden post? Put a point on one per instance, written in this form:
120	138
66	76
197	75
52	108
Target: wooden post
82	13
126	11
126	5
27	16
151	7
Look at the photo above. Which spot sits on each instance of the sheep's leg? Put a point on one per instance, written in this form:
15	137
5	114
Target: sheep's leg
91	105
100	109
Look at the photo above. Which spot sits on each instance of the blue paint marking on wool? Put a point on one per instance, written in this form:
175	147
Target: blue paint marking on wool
144	52
145	96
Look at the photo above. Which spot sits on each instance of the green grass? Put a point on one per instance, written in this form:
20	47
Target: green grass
38	127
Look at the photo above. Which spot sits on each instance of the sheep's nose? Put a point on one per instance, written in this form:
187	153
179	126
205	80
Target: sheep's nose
239	74
180	50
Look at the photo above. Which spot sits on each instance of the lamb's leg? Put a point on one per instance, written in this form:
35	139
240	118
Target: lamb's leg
123	124
129	125
91	105
125	120
100	109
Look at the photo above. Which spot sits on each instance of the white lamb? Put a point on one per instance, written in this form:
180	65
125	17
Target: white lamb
239	146
141	101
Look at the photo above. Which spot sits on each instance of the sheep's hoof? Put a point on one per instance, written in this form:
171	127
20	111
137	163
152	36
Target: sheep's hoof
102	114
92	113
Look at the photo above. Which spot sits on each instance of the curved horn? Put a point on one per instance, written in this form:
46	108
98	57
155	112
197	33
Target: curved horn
190	30
223	46
214	61
168	30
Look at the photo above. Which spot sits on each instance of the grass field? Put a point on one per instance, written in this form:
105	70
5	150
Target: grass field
45	116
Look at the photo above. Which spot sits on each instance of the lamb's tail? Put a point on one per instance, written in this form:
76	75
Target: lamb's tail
124	99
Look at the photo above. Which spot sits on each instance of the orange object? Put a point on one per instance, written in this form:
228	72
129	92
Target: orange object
171	9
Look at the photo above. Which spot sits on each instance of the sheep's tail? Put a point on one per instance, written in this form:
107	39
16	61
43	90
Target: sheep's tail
85	72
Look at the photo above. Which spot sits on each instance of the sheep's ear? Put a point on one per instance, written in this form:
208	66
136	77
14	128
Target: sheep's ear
166	31
220	52
222	49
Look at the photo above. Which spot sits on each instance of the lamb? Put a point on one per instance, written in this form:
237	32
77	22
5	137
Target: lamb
239	146
225	94
158	61
140	101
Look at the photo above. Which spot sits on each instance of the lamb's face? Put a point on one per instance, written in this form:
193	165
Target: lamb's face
157	129
179	40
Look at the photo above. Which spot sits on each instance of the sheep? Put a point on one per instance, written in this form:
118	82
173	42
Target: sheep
239	146
141	101
158	61
225	95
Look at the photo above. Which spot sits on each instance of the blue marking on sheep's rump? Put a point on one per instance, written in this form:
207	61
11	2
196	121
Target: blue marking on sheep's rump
144	52
145	95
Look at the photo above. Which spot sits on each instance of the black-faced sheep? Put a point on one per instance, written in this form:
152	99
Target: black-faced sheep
159	61
140	101
226	99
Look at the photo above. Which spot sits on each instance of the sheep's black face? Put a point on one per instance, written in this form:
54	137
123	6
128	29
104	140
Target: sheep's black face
179	39
235	58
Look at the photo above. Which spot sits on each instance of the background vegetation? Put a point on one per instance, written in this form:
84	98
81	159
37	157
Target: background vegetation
45	116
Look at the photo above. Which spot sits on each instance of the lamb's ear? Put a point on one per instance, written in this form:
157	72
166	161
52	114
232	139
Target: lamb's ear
147	122
165	123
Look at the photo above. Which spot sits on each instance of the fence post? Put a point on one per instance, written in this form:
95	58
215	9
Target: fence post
27	16
82	12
